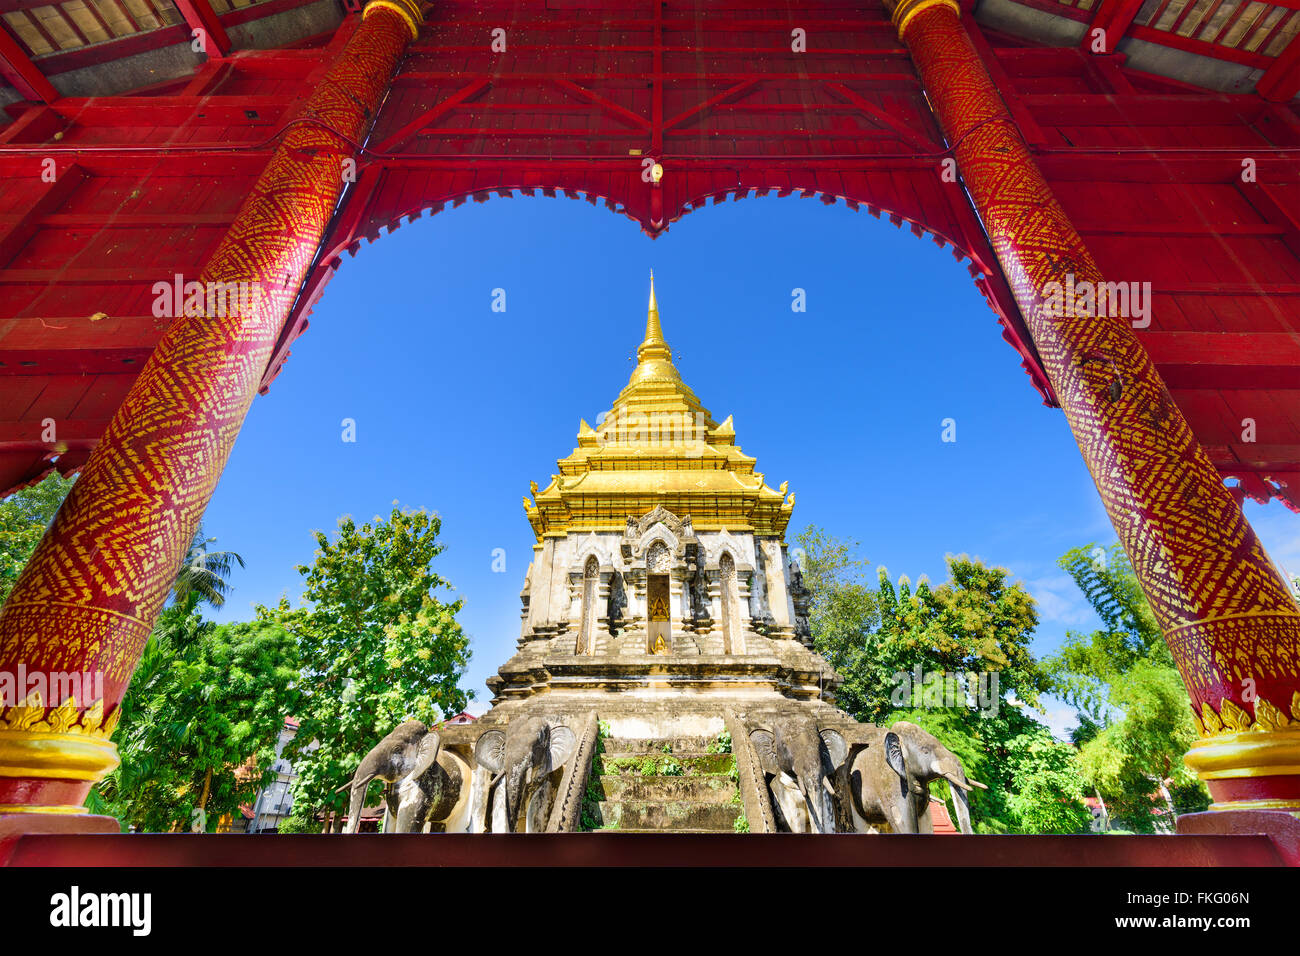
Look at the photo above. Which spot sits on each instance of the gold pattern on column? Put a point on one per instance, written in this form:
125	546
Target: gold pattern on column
408	10
88	597
1228	617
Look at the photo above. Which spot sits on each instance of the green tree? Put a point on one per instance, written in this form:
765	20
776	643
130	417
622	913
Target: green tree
162	736
205	572
843	617
378	647
198	737
977	623
24	516
1134	722
298	822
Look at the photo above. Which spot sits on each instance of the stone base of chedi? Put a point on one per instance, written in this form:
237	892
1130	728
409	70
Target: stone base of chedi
664	678
688	742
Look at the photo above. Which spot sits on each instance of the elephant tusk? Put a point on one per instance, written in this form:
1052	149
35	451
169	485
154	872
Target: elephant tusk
952	779
976	783
830	787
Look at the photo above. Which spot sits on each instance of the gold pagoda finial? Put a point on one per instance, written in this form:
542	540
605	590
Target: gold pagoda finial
654	357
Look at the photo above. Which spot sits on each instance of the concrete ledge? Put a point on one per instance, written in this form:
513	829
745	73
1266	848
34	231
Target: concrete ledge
1282	828
639	850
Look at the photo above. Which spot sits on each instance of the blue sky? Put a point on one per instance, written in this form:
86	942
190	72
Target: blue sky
458	407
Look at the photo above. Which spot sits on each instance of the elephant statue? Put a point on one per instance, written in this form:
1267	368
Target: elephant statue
522	760
800	763
889	781
402	760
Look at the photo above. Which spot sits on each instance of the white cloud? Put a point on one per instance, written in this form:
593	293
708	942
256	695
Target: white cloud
1060	601
1060	717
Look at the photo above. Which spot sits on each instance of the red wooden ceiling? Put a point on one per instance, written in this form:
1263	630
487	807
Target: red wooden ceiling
1149	168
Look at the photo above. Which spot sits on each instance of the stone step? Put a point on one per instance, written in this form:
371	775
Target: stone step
646	745
632	815
624	764
660	789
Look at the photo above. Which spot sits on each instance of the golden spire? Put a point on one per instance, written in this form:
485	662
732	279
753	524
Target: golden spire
653	356
657	445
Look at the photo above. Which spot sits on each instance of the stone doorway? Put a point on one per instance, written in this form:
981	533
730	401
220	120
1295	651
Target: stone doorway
658	618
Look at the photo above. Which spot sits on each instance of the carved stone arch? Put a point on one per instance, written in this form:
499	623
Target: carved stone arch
589	547
725	541
659	533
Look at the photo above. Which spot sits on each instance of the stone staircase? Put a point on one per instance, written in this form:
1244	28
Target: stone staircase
638	786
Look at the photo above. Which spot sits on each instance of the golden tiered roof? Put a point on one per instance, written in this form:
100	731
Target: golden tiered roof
657	446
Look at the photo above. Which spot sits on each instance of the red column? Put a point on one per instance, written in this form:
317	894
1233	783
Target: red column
1226	612
77	619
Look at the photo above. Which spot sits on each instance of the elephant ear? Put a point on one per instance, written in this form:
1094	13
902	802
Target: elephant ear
490	751
894	754
764	742
425	755
563	743
836	747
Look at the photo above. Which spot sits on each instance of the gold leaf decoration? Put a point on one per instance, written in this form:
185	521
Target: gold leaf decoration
1295	705
93	717
110	725
1269	717
61	718
1200	727
1211	720
1235	720
27	715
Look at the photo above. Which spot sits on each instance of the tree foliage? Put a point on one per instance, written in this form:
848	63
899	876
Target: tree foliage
977	622
1134	722
201	718
200	721
24	516
205	572
378	646
843	617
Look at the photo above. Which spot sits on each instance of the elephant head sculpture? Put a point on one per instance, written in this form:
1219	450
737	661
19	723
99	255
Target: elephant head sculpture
522	759
890	780
401	759
800	762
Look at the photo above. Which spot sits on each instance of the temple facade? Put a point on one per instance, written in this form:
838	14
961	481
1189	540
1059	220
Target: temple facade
660	546
664	677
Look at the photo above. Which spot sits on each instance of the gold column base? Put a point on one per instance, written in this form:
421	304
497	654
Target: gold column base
1249	753
1291	806
25	753
1239	766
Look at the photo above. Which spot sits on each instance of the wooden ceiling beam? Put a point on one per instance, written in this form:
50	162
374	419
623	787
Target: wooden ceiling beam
1113	18
22	73
1281	81
201	19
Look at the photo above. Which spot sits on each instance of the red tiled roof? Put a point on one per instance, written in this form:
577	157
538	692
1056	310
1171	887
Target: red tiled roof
941	819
